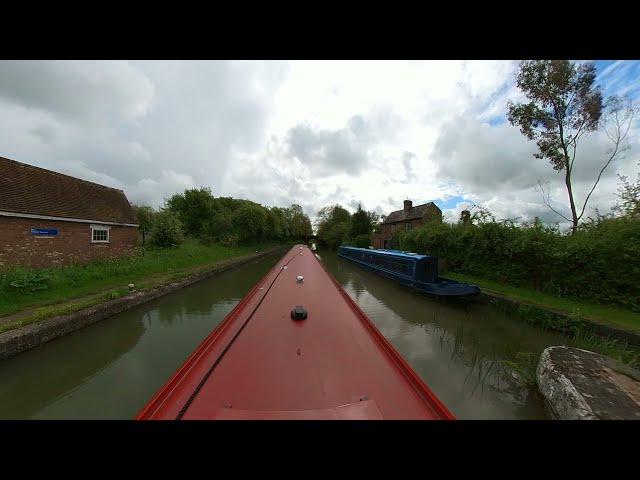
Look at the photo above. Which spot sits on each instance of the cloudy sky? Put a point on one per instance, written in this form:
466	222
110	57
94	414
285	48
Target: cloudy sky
313	133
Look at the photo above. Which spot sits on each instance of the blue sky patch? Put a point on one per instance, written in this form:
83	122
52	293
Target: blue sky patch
619	76
451	202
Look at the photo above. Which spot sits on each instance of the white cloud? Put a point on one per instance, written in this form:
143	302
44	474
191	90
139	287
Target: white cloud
78	90
308	132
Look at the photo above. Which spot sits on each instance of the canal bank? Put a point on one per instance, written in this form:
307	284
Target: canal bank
564	315
27	337
549	317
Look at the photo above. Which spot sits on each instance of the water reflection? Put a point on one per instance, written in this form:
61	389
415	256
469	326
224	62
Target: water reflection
40	379
459	349
110	369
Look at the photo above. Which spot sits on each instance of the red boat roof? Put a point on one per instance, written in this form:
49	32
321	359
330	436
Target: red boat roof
260	363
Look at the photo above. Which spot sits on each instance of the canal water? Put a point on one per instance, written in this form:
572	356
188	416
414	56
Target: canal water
472	357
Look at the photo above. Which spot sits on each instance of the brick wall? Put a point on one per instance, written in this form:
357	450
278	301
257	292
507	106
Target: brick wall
71	244
434	213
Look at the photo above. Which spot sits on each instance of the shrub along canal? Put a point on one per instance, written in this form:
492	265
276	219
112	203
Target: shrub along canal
477	360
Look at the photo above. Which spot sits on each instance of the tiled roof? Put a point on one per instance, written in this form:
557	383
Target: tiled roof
33	190
415	212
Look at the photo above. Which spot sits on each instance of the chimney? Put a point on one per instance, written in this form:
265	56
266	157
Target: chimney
407	205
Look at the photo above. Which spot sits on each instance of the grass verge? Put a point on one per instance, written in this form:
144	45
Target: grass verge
605	314
75	287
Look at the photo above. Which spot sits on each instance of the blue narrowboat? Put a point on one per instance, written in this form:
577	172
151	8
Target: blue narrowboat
411	269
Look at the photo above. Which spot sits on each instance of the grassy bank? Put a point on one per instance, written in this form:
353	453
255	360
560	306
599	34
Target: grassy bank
605	314
106	278
577	333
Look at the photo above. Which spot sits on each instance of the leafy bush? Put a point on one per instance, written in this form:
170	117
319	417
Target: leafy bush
167	231
249	222
228	239
601	262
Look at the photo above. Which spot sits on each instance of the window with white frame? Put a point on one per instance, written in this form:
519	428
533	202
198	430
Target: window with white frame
99	234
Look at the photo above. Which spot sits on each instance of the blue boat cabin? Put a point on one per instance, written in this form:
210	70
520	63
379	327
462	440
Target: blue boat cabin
409	265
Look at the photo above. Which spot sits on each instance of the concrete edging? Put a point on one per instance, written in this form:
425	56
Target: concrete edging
14	342
581	385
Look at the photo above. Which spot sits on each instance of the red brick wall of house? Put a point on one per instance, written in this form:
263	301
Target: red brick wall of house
71	244
377	239
434	213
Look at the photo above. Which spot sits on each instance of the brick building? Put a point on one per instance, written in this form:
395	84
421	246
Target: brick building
407	218
47	218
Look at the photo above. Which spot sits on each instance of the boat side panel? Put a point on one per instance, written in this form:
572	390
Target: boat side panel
366	257
441	286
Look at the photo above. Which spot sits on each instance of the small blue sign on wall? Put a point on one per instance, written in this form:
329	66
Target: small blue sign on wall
44	231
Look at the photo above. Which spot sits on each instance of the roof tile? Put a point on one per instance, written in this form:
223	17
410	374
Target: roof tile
36	191
415	212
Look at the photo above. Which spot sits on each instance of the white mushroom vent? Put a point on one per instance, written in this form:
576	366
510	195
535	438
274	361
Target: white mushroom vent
299	278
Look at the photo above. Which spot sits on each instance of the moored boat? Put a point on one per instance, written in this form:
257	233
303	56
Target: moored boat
412	269
295	347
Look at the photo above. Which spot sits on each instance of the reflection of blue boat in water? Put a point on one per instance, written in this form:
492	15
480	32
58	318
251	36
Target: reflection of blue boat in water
411	269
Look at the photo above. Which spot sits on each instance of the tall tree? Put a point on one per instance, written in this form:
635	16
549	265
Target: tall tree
564	105
360	222
299	222
333	224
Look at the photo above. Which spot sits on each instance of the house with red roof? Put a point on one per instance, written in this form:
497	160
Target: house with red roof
48	218
406	219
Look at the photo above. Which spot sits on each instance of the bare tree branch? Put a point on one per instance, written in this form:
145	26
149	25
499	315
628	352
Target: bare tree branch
544	190
617	128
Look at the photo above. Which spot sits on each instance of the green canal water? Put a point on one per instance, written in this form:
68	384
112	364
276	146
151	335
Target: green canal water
110	369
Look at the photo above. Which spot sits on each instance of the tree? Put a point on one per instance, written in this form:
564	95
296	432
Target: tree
249	222
194	207
374	218
276	224
299	223
145	215
361	222
378	223
564	105
333	224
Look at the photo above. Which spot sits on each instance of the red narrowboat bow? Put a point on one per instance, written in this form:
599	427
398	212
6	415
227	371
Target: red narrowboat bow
296	347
